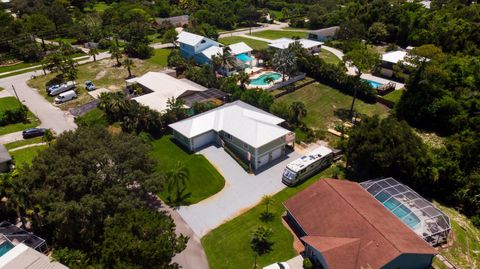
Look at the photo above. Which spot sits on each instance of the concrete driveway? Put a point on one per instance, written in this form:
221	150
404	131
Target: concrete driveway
242	191
49	115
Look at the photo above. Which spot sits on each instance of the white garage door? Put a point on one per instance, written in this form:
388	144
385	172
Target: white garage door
203	140
263	160
277	153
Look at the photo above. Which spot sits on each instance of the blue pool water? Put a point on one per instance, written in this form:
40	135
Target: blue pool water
244	57
401	211
262	80
373	83
5	247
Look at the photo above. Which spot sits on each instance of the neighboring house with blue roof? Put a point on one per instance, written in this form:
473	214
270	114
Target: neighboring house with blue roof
202	49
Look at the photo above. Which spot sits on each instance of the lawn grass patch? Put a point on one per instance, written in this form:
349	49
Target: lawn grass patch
18	66
275	34
26	155
24	142
278	14
325	105
228	246
254	44
66	40
10	102
329	57
465	251
155	38
103	73
204	180
394	96
93	118
160	57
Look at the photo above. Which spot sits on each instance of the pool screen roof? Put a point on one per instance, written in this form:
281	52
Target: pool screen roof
411	208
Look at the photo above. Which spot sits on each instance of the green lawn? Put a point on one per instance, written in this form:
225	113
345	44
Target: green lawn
325	105
66	40
160	57
24	142
98	7
394	96
155	38
204	180
465	251
10	103
254	44
228	246
14	67
94	117
278	14
26	155
275	34
329	57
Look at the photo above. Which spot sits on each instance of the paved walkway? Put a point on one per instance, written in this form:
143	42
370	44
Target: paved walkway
242	191
193	256
257	38
28	146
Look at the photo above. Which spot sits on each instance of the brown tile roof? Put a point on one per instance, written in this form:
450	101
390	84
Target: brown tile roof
343	209
338	251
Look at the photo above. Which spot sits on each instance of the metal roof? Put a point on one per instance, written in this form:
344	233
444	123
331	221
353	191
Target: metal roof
243	121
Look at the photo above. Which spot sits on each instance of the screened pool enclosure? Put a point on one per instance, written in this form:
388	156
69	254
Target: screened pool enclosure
411	208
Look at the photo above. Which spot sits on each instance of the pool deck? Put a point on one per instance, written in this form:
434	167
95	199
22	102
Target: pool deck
380	80
265	87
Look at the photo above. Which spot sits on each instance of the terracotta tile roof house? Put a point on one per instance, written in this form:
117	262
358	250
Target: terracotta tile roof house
344	227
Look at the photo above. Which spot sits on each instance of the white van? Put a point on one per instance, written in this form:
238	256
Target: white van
66	96
54	90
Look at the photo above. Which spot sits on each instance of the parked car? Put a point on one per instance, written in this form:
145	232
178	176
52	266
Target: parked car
278	265
57	89
89	85
33	132
65	96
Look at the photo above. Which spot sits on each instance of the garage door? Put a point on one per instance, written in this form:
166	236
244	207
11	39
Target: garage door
203	140
263	160
277	153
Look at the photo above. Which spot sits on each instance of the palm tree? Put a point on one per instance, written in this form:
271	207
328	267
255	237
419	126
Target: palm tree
114	104
216	62
227	59
267	200
177	178
129	64
284	62
93	52
261	241
243	78
116	53
298	110
16	193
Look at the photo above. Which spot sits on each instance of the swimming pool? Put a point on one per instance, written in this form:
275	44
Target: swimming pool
372	83
402	212
262	80
5	247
